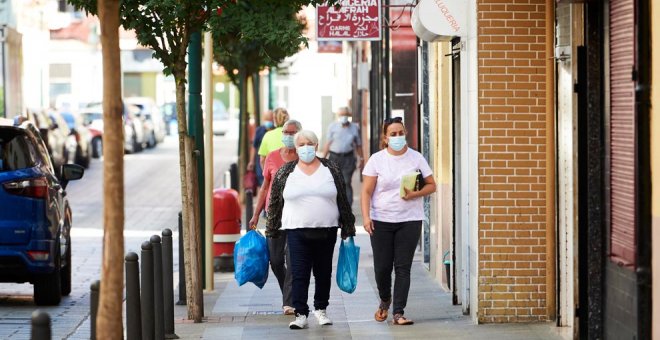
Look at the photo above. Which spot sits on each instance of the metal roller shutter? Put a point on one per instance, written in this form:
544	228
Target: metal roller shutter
623	134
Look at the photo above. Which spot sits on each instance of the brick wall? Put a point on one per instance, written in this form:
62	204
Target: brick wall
512	160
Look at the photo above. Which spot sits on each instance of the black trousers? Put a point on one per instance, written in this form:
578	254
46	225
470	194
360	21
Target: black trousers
280	263
394	246
311	250
346	163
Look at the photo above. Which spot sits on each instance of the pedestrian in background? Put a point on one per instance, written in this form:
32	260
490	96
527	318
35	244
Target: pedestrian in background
273	139
308	202
280	261
393	222
343	142
255	161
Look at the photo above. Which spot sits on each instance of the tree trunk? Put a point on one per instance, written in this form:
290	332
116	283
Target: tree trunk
109	318
191	244
256	81
243	146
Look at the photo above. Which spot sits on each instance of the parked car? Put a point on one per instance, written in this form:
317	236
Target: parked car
70	143
35	217
92	118
154	124
54	137
83	154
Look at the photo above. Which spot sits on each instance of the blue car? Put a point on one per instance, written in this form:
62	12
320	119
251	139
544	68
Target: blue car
35	217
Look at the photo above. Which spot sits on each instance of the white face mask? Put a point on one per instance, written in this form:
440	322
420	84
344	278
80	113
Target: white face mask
306	153
343	119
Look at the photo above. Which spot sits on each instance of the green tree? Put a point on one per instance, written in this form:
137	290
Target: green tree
165	26
248	38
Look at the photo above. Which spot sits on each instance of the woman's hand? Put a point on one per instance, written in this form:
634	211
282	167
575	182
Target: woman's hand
410	194
369	226
254	221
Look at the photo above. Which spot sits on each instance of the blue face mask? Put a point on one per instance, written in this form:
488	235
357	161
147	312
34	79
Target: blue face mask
268	124
396	143
287	140
306	153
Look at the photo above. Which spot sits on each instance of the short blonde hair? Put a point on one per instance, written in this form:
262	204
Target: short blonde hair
307	134
280	116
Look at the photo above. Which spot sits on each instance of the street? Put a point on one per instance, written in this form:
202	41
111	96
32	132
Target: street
152	203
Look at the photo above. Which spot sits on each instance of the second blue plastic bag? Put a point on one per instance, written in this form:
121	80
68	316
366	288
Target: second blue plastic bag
251	259
347	265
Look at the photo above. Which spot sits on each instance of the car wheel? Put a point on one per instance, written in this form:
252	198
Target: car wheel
152	141
47	288
137	147
65	275
97	147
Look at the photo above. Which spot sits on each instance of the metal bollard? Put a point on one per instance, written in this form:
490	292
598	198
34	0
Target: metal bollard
233	169
147	291
227	179
40	326
168	285
133	317
159	316
249	209
95	289
182	266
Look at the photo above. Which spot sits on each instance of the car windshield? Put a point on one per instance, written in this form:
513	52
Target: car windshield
14	150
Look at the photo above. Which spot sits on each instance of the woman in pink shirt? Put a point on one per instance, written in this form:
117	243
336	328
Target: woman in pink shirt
394	222
277	246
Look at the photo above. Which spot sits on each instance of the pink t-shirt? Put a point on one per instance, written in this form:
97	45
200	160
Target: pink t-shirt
386	204
272	164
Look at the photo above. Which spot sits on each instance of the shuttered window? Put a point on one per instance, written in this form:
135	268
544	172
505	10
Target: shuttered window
622	132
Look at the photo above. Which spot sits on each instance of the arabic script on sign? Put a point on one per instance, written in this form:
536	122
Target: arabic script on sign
349	20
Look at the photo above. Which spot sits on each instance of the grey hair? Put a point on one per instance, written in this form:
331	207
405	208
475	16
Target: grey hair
307	134
345	109
292	122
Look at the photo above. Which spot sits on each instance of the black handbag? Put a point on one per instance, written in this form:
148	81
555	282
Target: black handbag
419	182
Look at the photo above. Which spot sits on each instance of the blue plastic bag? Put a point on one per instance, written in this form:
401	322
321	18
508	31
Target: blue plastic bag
347	265
251	259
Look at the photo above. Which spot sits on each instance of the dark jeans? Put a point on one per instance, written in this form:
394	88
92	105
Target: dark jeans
346	163
278	252
394	246
311	251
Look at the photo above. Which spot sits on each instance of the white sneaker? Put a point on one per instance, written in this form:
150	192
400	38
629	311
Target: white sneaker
322	317
299	323
288	310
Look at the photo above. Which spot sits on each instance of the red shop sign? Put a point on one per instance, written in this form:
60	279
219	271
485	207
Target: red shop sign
349	20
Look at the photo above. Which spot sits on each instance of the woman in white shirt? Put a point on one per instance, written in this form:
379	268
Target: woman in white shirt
394	222
308	201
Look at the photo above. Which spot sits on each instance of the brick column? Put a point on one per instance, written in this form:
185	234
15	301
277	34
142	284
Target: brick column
512	160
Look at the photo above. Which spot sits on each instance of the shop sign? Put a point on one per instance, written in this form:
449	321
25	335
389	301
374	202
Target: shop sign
439	20
349	20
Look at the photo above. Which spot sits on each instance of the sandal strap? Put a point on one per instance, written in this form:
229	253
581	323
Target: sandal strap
384	305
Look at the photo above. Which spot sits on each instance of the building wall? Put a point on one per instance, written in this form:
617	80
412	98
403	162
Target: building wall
655	166
512	161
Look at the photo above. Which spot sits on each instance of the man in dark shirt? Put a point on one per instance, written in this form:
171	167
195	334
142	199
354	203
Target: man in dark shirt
255	164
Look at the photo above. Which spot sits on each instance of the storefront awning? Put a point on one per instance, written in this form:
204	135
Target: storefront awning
439	20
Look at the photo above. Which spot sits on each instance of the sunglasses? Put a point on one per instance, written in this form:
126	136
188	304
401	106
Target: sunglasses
393	120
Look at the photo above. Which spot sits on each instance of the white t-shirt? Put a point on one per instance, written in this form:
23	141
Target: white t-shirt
310	201
386	204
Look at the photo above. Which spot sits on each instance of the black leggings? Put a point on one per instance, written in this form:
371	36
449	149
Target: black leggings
394	246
